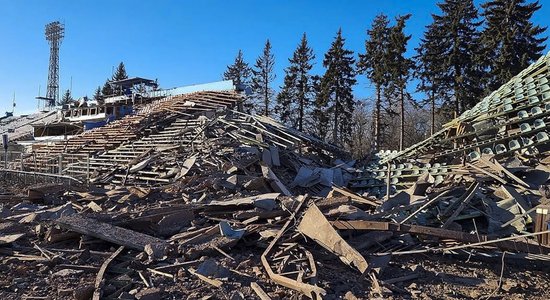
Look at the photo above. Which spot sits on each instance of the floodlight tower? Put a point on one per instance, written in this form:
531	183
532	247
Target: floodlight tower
55	32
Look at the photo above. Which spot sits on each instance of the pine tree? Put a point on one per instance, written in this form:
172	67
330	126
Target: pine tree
374	64
399	69
107	89
429	69
120	72
320	114
337	88
457	28
239	71
97	94
262	78
510	39
285	101
66	99
98	97
296	97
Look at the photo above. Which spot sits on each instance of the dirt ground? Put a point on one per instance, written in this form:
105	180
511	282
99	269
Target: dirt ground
437	277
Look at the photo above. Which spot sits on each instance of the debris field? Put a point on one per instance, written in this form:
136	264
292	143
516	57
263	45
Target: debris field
190	198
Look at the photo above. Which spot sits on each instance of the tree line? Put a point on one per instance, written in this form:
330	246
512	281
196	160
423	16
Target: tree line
465	53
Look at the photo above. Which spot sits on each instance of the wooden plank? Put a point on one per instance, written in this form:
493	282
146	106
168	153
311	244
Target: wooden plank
504	240
114	234
10	238
316	226
505	244
498	167
144	178
472	190
101	273
215	282
401	279
311	291
544	202
276	184
354	197
424	206
495	177
259	291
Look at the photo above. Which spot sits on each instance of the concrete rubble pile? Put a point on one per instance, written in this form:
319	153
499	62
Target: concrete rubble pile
226	205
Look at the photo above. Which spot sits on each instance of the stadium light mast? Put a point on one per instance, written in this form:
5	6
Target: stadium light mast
55	31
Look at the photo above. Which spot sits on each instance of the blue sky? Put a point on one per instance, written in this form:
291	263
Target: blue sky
180	42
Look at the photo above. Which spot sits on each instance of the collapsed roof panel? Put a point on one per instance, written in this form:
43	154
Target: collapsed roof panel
510	121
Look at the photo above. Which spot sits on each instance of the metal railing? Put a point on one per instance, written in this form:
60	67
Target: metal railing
30	178
11	160
73	165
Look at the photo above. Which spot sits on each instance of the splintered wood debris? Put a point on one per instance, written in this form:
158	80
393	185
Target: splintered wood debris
192	199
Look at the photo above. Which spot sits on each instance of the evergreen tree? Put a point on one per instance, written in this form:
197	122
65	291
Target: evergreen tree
239	71
320	116
511	41
262	79
374	64
337	88
97	93
98	97
120	72
66	99
107	89
284	108
461	71
399	69
429	69
296	97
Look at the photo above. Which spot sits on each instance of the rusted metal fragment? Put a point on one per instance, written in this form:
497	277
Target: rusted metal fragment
316	226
